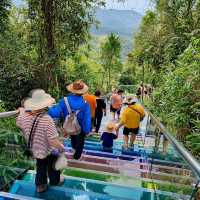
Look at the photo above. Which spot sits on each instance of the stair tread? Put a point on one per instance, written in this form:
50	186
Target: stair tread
26	188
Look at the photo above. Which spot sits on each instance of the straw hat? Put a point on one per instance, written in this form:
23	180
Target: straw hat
130	100
38	100
78	87
111	127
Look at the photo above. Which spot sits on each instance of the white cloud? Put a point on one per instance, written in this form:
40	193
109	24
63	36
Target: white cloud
138	5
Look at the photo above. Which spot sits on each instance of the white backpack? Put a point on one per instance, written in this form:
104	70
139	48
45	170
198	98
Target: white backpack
71	124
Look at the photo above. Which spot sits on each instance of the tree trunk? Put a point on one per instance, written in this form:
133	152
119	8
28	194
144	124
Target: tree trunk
109	78
47	7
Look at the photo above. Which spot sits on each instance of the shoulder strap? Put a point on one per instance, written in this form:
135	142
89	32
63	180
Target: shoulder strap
67	105
136	111
32	130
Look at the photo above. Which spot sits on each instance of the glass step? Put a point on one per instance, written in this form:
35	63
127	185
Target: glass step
140	164
131	172
118	145
87	184
130	152
128	181
9	196
56	193
130	157
60	193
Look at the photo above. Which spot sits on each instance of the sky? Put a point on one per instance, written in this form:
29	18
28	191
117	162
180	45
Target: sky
138	5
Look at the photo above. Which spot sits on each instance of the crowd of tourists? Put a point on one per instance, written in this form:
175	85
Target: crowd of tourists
81	115
144	91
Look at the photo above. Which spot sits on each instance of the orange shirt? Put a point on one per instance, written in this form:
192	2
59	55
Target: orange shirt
91	99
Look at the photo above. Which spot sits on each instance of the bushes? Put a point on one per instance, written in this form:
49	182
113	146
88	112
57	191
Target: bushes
177	98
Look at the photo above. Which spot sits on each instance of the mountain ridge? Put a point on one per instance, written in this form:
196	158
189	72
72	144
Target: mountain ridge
122	22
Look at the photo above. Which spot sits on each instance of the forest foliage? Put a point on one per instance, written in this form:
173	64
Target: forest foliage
48	45
168	48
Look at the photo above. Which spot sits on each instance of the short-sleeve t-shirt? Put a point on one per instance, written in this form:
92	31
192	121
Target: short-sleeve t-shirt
100	105
107	139
132	115
44	131
91	99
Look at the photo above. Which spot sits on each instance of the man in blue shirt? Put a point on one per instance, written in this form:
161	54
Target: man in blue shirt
76	102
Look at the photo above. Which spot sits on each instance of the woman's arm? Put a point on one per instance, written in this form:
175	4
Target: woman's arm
57	144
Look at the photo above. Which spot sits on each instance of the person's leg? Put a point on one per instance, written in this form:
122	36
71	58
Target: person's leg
80	146
41	175
165	145
132	139
125	137
73	142
112	110
118	113
99	118
134	132
54	175
113	114
95	120
92	123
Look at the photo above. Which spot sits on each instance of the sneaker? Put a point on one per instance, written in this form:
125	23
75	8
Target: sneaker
41	188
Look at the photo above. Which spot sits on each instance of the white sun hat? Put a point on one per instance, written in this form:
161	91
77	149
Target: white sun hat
39	100
131	99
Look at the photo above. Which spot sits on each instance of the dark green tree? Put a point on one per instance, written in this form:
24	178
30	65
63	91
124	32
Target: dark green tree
110	58
61	27
4	13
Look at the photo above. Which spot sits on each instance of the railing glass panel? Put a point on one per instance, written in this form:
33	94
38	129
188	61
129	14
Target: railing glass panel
170	157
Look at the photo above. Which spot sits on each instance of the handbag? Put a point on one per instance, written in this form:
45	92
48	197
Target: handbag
28	152
61	162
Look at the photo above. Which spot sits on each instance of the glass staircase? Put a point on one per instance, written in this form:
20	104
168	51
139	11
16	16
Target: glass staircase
157	168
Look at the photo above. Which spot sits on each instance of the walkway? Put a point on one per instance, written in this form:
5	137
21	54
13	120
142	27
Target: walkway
135	174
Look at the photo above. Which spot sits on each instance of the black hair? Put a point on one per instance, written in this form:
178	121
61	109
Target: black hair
98	93
120	91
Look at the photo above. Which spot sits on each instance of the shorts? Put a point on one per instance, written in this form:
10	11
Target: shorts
113	109
126	131
119	111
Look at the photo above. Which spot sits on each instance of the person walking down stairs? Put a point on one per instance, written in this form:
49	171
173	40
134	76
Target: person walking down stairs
130	119
91	100
108	136
41	136
116	103
100	111
77	105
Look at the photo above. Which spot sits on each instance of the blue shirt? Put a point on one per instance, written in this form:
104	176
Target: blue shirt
107	139
76	102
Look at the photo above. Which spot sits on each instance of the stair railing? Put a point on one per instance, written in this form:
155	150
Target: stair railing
193	163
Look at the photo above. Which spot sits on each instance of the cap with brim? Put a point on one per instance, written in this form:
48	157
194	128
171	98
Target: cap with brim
130	100
111	127
39	100
78	87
